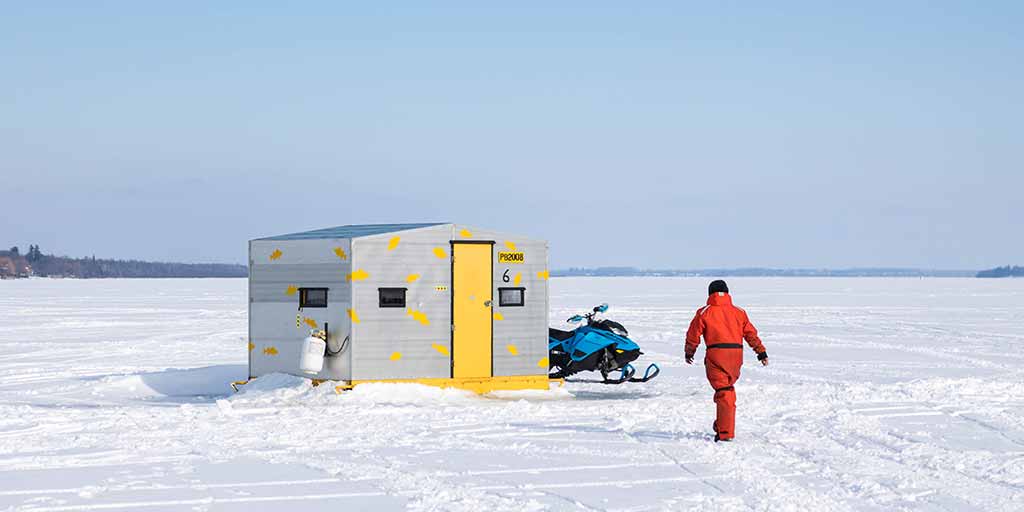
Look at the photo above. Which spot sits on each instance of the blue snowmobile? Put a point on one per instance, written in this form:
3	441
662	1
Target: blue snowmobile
601	345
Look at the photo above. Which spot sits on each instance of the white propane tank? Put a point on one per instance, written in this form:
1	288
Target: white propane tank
312	355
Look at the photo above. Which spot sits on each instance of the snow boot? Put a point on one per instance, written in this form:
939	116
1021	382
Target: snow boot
718	438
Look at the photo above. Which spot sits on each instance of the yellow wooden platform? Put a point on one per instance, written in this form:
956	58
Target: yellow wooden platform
476	385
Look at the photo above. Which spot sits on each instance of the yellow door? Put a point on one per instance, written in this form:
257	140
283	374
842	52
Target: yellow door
471	310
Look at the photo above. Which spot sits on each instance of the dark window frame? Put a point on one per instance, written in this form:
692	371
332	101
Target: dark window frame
522	297
380	297
304	301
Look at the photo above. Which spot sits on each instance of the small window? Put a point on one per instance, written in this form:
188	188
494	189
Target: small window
514	297
312	297
392	297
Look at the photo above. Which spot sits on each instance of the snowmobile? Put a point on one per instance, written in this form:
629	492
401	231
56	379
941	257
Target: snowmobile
600	345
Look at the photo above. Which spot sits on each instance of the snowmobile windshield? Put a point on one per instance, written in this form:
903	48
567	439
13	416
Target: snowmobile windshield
559	334
612	327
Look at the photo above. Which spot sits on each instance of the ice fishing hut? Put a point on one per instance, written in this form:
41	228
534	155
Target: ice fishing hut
440	304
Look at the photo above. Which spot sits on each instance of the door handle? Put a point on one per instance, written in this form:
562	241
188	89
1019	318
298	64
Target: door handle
487	303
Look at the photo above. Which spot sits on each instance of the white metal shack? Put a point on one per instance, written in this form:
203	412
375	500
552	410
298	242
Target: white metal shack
442	304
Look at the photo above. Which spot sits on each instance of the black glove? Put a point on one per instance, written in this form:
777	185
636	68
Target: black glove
689	358
762	356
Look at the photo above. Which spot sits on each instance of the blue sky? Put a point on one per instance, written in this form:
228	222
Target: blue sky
680	135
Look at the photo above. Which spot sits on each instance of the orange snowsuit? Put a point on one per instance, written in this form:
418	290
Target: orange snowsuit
724	327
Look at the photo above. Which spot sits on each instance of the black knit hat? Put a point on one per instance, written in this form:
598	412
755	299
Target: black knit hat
717	286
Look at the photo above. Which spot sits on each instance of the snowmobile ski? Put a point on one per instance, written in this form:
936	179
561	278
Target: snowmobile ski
626	376
648	373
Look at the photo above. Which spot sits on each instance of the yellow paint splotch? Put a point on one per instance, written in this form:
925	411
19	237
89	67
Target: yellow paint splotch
310	322
419	316
518	279
394	242
543	363
358	275
395	356
270	351
440	348
353	316
412	278
440	253
292	290
498	315
465	233
251	346
511	245
544	274
339	252
512	349
275	255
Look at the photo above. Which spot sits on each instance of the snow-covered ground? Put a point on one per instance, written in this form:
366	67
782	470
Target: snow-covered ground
883	394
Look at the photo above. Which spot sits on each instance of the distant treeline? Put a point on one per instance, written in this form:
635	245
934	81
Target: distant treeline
46	265
1006	271
764	272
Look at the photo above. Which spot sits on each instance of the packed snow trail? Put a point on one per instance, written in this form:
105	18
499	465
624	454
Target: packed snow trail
882	394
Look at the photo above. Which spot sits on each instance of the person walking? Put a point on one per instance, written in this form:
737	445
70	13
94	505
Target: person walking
724	327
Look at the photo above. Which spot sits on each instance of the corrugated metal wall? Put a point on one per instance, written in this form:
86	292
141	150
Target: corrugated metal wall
411	342
277	269
520	333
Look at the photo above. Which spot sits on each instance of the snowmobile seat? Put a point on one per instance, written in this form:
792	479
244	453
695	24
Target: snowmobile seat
559	335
